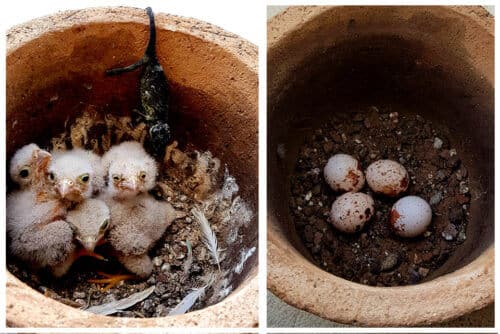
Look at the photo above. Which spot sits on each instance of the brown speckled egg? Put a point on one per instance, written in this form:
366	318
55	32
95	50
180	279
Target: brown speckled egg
387	177
351	211
410	216
343	173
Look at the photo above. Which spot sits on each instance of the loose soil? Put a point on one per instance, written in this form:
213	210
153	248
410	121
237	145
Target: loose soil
376	255
188	179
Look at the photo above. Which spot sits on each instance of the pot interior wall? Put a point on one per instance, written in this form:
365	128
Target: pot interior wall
59	74
354	60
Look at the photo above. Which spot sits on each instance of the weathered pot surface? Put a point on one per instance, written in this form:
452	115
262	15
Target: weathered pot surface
213	75
455	46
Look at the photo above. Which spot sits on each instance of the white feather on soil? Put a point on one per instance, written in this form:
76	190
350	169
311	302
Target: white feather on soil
187	302
208	236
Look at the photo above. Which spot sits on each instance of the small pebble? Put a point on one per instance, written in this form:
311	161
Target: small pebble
436	198
438	143
79	294
161	310
389	262
394	117
463	187
148	305
157	261
423	271
308	196
449	233
80	302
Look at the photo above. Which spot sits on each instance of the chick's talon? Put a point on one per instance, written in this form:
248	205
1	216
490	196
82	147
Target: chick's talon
111	280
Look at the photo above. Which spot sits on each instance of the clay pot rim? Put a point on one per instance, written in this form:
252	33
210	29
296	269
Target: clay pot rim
403	305
23	33
292	18
222	314
381	306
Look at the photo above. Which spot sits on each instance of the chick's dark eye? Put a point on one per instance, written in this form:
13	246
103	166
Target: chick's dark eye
85	178
24	173
51	176
143	175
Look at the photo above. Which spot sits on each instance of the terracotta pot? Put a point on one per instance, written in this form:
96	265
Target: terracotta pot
56	64
438	60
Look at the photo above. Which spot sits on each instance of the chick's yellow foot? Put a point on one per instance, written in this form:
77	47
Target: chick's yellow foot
111	280
84	252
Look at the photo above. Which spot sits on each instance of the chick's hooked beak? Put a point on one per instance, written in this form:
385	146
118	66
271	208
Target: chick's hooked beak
88	243
129	185
65	187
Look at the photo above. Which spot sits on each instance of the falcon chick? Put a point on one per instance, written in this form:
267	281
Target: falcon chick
38	234
130	170
89	221
137	219
21	165
76	174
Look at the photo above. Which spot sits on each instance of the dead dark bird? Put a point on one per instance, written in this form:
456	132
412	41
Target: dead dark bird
154	91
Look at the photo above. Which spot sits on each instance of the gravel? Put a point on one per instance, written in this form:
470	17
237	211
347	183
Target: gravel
376	255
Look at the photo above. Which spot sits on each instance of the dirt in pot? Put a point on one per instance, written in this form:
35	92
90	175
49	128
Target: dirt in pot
186	275
376	255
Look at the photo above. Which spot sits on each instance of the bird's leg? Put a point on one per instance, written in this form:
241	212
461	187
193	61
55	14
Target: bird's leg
85	252
111	279
101	242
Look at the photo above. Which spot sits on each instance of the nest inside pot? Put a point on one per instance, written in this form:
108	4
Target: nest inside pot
338	95
377	255
68	102
183	262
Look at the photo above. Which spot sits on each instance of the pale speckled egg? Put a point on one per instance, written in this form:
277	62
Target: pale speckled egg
410	216
387	177
343	173
351	211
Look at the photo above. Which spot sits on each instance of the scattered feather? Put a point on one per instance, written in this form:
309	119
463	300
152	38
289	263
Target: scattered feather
122	304
244	257
230	187
208	236
187	302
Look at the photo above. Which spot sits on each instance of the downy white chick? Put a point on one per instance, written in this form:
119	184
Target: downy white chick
35	225
137	219
129	169
76	174
21	165
89	221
